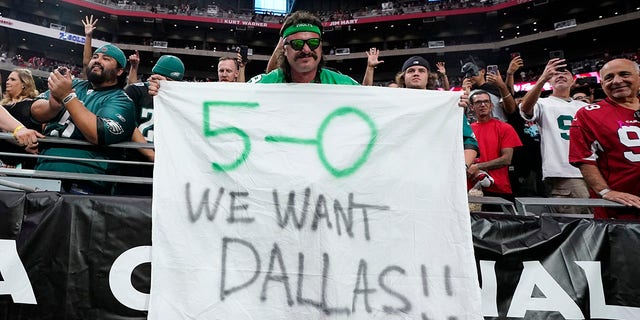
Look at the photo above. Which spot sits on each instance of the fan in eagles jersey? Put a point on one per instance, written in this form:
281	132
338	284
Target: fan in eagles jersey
96	110
168	67
605	141
301	59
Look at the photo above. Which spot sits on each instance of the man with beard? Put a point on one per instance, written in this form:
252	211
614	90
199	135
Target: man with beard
301	58
96	110
553	115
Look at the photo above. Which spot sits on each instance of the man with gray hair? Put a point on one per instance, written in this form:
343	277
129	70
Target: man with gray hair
605	141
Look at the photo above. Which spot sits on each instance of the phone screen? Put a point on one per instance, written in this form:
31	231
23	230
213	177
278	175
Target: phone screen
556	54
244	52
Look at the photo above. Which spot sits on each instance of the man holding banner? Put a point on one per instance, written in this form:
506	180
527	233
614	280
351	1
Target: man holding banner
301	59
415	75
309	202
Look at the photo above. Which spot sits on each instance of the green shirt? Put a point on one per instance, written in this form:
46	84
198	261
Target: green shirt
326	77
115	123
468	137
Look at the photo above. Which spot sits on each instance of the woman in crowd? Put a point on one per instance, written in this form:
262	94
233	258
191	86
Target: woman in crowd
15	116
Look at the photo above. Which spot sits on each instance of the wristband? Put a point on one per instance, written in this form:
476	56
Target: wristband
604	191
68	98
507	96
17	129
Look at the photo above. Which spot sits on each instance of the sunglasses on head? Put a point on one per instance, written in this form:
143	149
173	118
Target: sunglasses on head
298	44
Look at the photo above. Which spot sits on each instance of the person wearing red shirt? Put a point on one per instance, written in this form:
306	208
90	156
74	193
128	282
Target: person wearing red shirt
605	141
497	141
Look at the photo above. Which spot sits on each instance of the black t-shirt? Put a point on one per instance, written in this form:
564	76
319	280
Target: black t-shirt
139	94
22	112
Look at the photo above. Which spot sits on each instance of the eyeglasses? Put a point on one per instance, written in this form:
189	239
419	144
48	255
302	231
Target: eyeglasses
481	102
298	44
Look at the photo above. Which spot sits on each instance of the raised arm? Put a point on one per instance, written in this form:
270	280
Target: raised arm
533	94
443	75
372	63
507	99
241	68
515	64
134	60
277	52
89	24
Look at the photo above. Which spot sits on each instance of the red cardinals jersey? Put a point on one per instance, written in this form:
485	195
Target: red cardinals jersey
607	135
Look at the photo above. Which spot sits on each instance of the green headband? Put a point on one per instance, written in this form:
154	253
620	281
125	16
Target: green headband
301	27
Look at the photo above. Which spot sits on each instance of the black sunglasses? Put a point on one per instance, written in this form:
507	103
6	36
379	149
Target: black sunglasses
298	44
637	115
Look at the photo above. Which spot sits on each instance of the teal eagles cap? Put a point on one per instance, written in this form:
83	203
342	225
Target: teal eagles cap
113	52
170	67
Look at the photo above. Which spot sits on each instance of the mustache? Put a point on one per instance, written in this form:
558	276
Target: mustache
98	65
302	55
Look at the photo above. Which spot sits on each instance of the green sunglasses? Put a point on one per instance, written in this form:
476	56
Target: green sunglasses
298	44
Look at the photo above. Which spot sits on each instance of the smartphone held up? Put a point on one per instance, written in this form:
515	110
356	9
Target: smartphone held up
244	53
492	69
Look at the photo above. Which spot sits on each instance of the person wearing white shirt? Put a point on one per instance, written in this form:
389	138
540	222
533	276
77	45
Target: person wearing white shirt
553	115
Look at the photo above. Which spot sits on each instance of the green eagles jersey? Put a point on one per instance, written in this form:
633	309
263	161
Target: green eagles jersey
115	123
143	101
468	137
326	77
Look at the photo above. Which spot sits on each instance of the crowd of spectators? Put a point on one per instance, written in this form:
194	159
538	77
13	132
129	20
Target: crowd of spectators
530	74
534	74
394	8
43	64
383	8
591	64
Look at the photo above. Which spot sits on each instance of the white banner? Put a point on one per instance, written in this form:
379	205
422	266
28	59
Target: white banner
310	201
